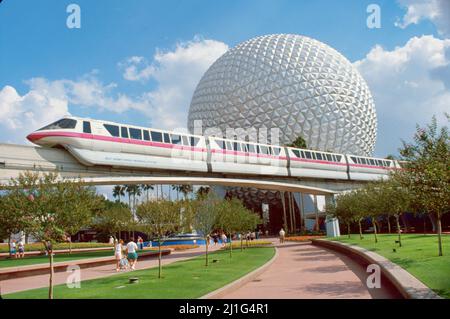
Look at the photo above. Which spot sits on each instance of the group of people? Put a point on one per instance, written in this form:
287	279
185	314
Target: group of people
17	249
126	255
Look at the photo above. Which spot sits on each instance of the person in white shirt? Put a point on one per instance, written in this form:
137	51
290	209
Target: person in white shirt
132	255
282	234
118	253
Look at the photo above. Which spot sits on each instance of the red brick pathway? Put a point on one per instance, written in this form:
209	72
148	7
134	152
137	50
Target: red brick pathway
302	270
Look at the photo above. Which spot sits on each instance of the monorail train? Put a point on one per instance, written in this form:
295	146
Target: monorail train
94	142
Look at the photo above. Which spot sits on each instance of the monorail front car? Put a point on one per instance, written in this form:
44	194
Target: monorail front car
94	142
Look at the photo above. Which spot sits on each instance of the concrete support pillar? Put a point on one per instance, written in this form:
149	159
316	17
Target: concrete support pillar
332	223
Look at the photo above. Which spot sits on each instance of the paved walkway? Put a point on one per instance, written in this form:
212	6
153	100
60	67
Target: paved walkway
39	281
302	270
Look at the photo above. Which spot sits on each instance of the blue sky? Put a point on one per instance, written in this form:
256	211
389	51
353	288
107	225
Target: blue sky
47	69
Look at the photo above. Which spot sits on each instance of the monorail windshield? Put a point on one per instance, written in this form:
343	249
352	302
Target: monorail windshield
60	124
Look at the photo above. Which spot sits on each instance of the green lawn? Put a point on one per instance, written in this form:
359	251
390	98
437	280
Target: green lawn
183	279
40	247
31	260
419	256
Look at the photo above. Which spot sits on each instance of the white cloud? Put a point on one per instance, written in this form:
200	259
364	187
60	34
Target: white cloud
409	84
176	73
48	100
437	11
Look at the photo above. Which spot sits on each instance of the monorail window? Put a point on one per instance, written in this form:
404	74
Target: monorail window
124	132
264	149
61	124
229	146
313	155
135	133
308	155
221	144
276	151
319	156
176	139
87	127
338	158
185	140
251	148
194	141
244	148
329	157
156	136
296	153
112	129
236	147
372	162
146	136
166	138
363	161
353	159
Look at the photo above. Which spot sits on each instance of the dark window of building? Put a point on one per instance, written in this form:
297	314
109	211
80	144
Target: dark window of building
135	133
124	132
112	129
156	136
61	124
87	127
146	136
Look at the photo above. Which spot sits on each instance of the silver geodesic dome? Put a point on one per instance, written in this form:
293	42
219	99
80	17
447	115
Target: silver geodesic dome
291	82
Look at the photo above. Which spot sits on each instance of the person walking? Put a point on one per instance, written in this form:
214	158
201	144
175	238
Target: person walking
140	242
21	247
215	239
13	249
131	253
224	239
282	234
118	247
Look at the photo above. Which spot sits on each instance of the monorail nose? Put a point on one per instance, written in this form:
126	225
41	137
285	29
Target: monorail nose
32	137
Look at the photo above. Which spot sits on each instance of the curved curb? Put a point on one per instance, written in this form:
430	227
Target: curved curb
218	293
408	285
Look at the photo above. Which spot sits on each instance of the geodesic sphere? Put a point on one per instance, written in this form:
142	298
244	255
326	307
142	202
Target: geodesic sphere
291	82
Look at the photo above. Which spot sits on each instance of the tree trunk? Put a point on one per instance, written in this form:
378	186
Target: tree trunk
206	255
439	231
293	211
50	282
70	246
159	258
348	230
399	231
284	212
231	248
424	225
360	230
375	229
9	246
242	243
389	225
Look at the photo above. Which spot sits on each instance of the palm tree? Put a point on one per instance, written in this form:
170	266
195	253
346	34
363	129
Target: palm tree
118	191
146	188
186	189
202	191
